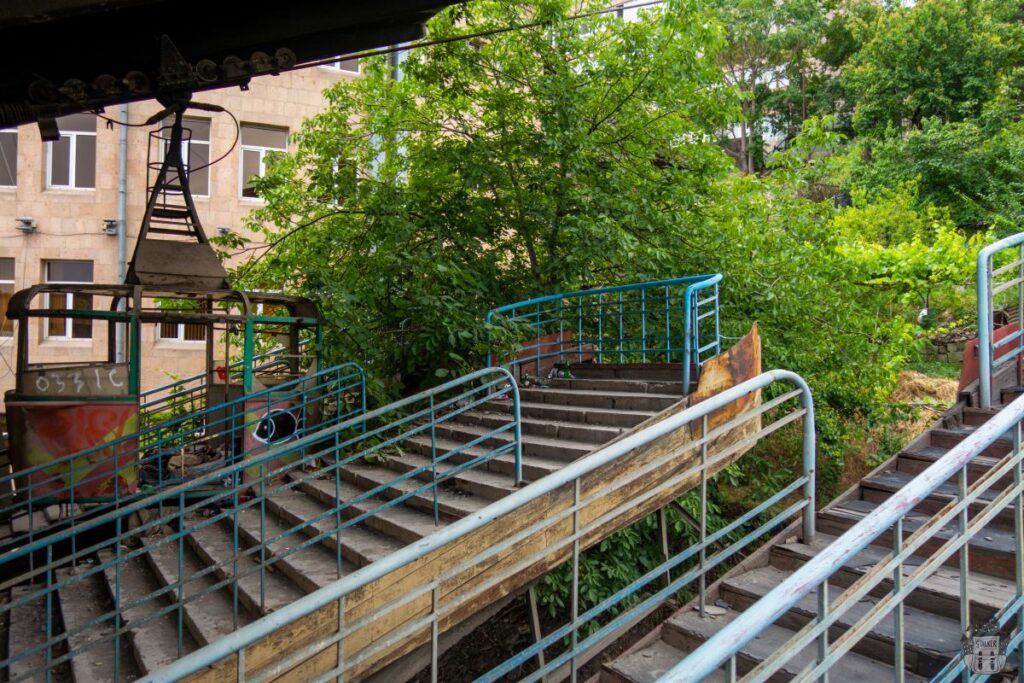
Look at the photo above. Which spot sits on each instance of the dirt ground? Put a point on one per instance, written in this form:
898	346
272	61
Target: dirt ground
929	396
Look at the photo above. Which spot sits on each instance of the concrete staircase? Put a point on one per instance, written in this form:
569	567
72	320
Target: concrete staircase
932	625
561	422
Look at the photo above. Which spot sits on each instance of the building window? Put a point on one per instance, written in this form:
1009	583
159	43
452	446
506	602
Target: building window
71	160
182	332
9	157
195	152
348	65
256	142
69	272
6	290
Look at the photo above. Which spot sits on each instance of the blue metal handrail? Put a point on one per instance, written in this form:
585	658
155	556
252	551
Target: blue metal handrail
250	486
552	529
813	577
637	322
988	287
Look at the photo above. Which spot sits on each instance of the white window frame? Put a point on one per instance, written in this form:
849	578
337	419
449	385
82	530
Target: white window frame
336	66
263	165
4	322
69	300
180	338
16	140
72	159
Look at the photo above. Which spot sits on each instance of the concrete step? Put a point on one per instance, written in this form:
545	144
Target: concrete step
637	386
686	630
949	437
665	372
154	640
916	460
89	622
879	487
452	503
503	464
476	481
576	414
215	545
594	434
645	665
210	611
991	551
404	524
27	632
288	551
930	640
939	593
606	400
460	434
359	545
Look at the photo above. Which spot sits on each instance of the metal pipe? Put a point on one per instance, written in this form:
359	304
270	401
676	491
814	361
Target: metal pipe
247	635
122	227
983	281
751	622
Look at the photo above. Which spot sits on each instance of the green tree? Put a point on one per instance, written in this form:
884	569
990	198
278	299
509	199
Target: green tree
567	154
935	58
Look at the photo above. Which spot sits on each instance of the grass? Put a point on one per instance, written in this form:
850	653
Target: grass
936	368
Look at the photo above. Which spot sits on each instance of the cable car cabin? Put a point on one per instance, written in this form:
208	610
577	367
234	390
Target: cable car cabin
84	430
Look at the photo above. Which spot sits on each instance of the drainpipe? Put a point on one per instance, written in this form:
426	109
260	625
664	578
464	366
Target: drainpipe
122	225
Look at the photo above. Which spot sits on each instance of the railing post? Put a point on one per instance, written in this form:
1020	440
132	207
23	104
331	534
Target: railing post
810	454
1018	531
575	576
983	285
433	459
897	586
823	637
702	586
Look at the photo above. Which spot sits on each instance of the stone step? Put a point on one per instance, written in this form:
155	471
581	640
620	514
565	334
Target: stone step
880	486
460	434
404	524
89	622
26	636
215	545
636	386
916	460
991	551
504	464
930	640
595	434
359	544
476	481
666	372
939	593
687	629
452	503
210	611
625	419
612	400
949	437
154	639
289	551
645	665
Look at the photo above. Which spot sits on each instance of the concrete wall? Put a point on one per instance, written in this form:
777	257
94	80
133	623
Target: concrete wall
70	222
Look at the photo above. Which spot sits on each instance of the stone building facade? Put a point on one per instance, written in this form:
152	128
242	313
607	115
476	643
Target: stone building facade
59	201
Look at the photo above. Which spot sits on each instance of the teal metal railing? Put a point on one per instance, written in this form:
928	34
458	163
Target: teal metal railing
582	505
664	321
238	499
189	394
212	437
999	285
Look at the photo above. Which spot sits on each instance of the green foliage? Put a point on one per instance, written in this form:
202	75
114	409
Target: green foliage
936	58
571	154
